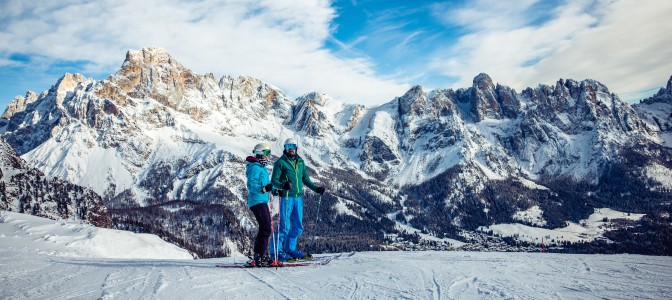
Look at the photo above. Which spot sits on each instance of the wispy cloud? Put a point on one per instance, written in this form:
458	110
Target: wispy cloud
395	36
280	42
618	42
486	14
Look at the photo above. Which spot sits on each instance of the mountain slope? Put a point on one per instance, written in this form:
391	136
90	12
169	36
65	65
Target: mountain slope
26	190
444	161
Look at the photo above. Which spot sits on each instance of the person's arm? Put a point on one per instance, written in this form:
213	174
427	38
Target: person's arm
276	175
254	183
265	181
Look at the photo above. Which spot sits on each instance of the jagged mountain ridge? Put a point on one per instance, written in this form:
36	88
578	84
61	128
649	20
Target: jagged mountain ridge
156	132
657	112
26	190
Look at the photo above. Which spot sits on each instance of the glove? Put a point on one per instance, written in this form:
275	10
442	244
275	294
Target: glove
320	190
287	185
267	188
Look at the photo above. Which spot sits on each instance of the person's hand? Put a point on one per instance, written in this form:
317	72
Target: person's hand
287	185
320	190
267	188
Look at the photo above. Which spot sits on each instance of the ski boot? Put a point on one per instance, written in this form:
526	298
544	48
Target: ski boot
250	263
262	261
299	255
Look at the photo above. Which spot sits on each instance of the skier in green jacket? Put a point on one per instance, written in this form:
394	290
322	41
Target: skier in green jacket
289	175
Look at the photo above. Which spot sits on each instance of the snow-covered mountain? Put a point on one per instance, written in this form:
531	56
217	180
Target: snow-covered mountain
442	161
657	112
25	189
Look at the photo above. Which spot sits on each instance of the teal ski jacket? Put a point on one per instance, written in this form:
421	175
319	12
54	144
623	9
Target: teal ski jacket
257	178
294	171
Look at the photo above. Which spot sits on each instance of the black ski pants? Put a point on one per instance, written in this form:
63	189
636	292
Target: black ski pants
263	216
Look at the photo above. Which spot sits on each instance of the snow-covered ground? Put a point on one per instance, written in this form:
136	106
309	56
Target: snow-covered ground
42	236
43	259
587	230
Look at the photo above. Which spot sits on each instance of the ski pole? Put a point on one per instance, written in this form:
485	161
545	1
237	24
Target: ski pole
317	219
270	209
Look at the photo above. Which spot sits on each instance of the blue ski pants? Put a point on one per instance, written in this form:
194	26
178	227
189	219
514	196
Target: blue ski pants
291	224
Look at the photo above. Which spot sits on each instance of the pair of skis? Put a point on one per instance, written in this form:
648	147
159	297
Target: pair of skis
316	261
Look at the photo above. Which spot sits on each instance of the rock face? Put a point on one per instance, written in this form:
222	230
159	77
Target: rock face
488	101
664	95
656	111
26	190
444	160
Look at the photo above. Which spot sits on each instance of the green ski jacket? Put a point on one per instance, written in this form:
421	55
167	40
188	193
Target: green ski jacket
294	171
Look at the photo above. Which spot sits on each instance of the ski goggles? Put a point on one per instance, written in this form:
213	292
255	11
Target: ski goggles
266	152
290	147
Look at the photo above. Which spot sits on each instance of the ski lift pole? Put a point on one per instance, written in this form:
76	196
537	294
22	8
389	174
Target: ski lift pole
317	219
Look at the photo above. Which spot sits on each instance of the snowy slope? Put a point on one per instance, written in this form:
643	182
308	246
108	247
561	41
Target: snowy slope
21	232
45	259
26	189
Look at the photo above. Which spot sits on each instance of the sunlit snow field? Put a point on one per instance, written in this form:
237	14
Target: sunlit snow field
44	259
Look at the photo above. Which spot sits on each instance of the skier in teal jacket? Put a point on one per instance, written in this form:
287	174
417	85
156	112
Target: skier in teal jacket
258	190
289	175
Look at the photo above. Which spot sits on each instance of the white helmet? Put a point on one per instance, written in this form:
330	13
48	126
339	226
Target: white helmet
291	141
262	149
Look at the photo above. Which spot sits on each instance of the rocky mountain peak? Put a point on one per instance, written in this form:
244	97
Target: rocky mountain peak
490	101
254	97
19	104
69	81
663	95
66	85
575	106
153	73
308	115
147	57
413	102
314	97
483	82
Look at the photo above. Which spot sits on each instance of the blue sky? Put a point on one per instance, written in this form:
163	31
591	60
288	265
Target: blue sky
357	51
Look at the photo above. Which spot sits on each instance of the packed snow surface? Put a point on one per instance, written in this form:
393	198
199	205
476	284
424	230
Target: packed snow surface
36	266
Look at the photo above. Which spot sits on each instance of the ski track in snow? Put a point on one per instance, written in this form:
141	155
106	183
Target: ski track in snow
400	275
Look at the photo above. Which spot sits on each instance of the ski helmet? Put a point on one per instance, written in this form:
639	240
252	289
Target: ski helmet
290	143
262	149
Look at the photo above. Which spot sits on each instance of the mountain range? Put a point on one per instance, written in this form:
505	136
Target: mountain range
156	139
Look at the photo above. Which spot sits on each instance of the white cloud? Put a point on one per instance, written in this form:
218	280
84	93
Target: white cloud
7	62
621	43
487	14
280	42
